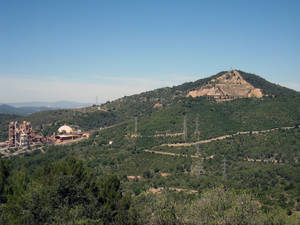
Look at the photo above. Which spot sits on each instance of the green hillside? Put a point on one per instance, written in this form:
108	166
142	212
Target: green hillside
267	87
264	165
273	108
257	162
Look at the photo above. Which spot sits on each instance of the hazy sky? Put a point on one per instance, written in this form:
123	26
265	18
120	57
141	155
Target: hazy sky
76	50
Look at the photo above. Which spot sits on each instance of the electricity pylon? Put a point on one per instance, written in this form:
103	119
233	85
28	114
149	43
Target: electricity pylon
199	164
224	169
184	129
197	126
135	125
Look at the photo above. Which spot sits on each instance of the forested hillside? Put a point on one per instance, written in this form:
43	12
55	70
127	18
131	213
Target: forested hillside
183	160
144	105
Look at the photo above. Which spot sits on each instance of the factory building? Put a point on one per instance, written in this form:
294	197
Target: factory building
68	133
65	129
21	134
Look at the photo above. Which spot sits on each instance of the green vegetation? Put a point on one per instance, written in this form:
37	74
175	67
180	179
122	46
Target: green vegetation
67	192
215	206
73	184
62	193
274	183
267	87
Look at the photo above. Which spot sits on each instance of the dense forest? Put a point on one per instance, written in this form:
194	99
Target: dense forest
68	192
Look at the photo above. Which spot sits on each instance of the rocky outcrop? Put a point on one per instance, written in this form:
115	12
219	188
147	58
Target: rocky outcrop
228	86
157	105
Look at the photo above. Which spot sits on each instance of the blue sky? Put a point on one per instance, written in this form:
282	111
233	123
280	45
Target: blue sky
76	50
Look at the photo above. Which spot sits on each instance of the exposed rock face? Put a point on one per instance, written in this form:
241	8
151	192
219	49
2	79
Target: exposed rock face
229	86
157	105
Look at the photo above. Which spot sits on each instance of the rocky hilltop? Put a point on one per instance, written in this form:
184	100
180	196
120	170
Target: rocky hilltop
229	86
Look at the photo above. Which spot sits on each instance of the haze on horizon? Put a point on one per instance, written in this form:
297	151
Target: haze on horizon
67	50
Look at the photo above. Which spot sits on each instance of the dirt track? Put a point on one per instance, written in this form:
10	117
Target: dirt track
225	136
211	140
176	154
160	189
169	153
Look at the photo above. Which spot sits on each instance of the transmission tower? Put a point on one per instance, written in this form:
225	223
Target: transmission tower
135	125
199	164
197	150
96	100
197	125
184	129
224	169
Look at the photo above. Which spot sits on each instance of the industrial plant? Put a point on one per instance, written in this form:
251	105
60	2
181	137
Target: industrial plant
67	133
22	138
22	135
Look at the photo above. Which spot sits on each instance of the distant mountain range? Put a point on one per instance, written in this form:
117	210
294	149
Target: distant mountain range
26	108
22	111
57	104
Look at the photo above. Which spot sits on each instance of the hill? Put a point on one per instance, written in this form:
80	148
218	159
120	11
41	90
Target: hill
140	103
239	133
57	104
22	111
166	106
